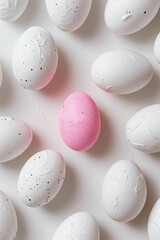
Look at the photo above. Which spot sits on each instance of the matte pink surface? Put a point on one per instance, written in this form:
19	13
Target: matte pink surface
79	121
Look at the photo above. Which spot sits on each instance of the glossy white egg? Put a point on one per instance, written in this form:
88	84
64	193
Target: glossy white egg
157	48
124	191
8	218
81	225
15	138
143	129
10	10
35	58
121	71
68	15
1	75
154	222
41	178
126	17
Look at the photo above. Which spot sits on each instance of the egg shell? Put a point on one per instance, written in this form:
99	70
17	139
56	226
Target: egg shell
121	71
125	17
143	129
81	225
157	48
15	138
154	222
1	75
79	121
8	218
41	178
68	15
124	191
35	58
10	10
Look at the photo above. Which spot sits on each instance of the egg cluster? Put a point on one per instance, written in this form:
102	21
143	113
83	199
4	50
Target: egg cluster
34	64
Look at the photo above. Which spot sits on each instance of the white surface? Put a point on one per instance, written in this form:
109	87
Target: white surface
40	110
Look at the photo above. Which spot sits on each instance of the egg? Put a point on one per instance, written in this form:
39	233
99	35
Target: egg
35	58
68	15
41	178
79	121
154	222
143	129
1	75
121	71
125	17
15	138
124	191
8	218
10	10
157	48
80	225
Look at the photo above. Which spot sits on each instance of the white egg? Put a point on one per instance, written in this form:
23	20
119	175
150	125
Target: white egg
10	10
125	17
8	218
1	75
41	178
35	58
157	48
123	191
68	15
121	71
143	129
154	222
15	138
81	225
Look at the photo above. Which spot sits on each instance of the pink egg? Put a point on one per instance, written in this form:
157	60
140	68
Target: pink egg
79	121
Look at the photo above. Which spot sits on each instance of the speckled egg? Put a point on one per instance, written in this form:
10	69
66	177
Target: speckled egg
124	191
143	129
10	10
154	222
15	138
41	178
68	15
79	226
79	121
1	75
121	71
35	58
125	17
8	218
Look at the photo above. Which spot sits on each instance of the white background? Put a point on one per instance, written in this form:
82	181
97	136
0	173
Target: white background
40	110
